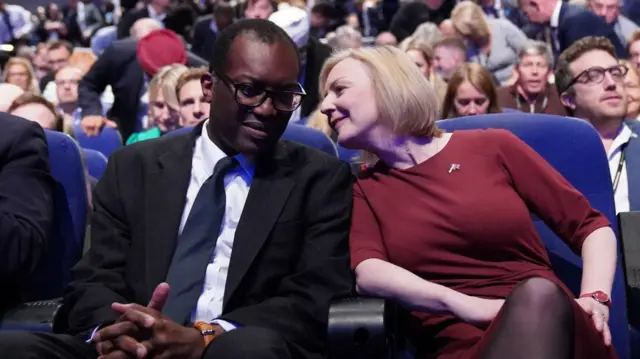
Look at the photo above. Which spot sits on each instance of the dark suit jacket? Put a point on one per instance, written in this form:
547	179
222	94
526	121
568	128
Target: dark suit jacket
128	19
317	54
577	22
26	203
632	161
507	99
93	19
118	66
203	37
290	253
179	20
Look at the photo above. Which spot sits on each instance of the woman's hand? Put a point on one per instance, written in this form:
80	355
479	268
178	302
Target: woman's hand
599	316
474	310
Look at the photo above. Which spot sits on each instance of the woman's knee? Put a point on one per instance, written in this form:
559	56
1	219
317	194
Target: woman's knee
541	294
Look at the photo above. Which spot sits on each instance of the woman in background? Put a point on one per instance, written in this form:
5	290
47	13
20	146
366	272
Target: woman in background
442	223
422	55
632	85
164	108
470	91
18	71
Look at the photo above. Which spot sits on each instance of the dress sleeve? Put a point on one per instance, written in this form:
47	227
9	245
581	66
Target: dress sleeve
547	193
365	239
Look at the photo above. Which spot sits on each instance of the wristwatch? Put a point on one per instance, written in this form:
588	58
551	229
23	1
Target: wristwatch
599	296
206	330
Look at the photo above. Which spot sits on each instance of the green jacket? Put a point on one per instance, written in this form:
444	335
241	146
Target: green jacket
144	135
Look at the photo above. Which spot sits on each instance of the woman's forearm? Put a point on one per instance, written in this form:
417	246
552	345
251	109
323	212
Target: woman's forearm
599	255
378	278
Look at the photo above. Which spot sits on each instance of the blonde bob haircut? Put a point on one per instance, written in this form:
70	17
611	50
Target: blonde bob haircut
469	21
407	102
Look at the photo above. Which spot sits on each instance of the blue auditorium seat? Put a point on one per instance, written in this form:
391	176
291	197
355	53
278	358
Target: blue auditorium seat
70	217
108	141
368	327
96	162
574	149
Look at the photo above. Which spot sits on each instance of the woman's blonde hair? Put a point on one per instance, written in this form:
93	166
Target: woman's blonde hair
469	21
416	44
479	78
406	101
26	64
166	80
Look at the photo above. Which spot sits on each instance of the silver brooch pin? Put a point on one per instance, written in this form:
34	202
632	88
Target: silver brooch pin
453	167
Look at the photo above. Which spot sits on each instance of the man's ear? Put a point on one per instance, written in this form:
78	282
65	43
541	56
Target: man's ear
207	81
568	100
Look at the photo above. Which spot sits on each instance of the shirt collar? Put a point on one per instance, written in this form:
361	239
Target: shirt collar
555	17
497	4
212	154
154	15
623	136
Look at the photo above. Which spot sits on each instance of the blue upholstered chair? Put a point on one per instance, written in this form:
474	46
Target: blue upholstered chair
108	141
96	162
65	249
573	148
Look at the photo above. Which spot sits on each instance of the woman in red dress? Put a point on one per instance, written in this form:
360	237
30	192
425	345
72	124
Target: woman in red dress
442	225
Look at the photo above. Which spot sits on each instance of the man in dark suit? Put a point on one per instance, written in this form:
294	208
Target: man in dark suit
568	23
123	66
207	28
26	203
156	9
249	233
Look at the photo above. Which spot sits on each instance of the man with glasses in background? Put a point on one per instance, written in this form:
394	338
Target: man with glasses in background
221	243
591	85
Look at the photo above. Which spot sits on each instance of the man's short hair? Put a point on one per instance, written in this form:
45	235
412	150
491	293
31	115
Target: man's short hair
563	74
57	44
192	74
263	31
536	48
29	98
452	42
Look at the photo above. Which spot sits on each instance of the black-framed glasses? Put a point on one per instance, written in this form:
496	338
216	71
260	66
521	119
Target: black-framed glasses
254	95
596	75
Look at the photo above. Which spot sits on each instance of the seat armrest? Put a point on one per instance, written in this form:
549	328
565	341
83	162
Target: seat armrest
629	223
361	327
33	316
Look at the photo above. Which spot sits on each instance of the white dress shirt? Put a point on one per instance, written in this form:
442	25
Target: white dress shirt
20	20
236	183
621	196
554	22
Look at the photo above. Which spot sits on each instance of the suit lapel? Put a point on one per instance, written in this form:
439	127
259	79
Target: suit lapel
268	194
165	199
632	158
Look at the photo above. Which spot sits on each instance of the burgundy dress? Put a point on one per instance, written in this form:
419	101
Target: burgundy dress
462	219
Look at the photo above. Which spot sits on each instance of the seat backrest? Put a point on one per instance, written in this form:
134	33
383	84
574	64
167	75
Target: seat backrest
574	149
96	162
69	221
298	133
108	141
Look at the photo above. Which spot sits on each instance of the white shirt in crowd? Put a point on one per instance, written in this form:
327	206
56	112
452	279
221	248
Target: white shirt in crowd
236	183
621	196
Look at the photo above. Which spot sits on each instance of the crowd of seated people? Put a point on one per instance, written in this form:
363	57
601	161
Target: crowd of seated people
206	240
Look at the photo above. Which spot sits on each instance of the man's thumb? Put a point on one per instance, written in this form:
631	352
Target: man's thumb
159	297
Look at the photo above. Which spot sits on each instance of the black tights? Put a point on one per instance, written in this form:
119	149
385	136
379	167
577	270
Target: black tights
536	323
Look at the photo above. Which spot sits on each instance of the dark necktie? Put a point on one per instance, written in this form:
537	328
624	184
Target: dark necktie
7	23
555	42
196	245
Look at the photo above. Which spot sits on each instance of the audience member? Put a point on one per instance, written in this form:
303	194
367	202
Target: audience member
345	37
156	10
285	261
126	66
568	23
207	28
20	27
58	54
532	91
259	9
422	55
471	91
633	49
8	94
428	32
386	38
193	105
632	87
143	27
40	61
474	286
82	19
18	71
26	204
447	29
35	108
591	85
492	43
449	53
313	54
609	10
164	107
66	81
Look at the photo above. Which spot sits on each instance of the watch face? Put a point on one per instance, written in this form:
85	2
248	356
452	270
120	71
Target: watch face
601	297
